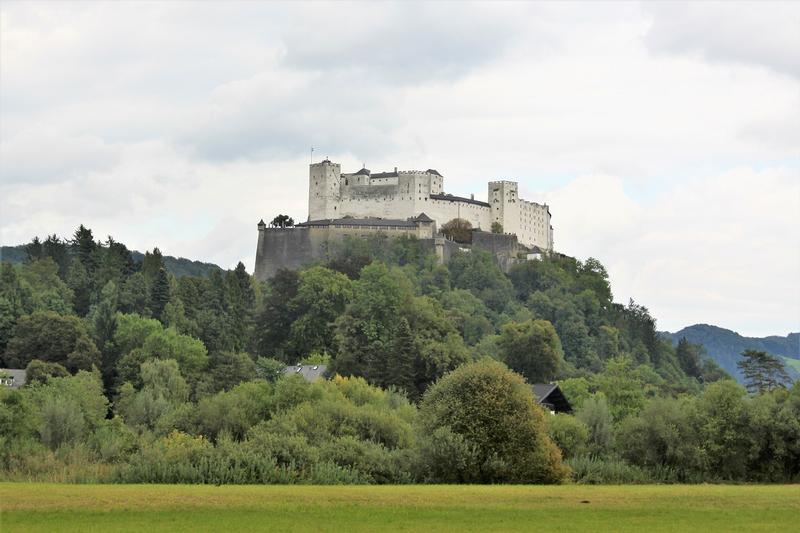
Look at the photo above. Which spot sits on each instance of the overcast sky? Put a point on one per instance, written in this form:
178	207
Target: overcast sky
665	137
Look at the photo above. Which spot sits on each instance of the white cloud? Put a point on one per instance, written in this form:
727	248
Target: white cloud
717	246
753	33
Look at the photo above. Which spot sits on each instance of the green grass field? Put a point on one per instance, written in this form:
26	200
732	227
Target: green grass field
152	508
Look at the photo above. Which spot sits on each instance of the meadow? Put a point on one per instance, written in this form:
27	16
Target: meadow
152	508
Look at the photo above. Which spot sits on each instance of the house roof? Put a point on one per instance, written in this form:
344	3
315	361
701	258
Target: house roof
550	396
18	376
363	172
451	198
310	372
433	171
422	217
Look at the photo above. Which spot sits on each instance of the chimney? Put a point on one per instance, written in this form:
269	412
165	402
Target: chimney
471	196
395	170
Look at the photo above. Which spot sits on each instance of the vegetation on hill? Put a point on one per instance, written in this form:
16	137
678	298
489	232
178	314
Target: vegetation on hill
725	346
177	266
138	375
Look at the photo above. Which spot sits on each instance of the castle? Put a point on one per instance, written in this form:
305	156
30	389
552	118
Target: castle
403	194
402	203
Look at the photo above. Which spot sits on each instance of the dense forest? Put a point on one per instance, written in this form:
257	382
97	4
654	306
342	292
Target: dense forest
138	375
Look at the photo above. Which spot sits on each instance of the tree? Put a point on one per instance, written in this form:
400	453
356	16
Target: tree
33	250
401	362
762	372
80	282
274	321
688	355
40	371
492	410
159	294
225	371
52	338
48	292
569	434
531	348
597	417
162	393
321	298
458	229
282	221
497	227
152	263
85	249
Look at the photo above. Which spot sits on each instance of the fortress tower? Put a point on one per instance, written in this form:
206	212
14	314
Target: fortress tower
324	180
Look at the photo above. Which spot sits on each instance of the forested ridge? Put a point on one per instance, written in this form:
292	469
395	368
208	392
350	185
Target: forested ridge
138	375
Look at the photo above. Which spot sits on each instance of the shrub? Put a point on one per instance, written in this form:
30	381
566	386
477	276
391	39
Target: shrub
494	410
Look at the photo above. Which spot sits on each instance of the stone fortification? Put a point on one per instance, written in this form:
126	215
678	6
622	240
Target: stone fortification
403	194
401	203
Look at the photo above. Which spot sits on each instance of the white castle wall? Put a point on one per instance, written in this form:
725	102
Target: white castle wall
405	194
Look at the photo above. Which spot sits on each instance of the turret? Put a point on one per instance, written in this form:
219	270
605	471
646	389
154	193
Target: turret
323	190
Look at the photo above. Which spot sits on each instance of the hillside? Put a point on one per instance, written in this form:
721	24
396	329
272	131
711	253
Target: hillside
177	266
724	346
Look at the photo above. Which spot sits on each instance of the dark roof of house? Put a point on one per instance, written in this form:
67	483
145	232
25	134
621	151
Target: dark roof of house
18	376
363	172
310	372
550	396
433	171
451	198
384	222
422	217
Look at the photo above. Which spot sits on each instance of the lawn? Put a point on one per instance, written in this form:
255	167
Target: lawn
152	508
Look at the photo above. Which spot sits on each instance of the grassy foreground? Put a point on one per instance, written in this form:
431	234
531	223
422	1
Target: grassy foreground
151	508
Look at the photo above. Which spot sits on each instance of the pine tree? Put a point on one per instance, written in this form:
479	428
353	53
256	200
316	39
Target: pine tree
689	358
762	372
56	249
78	280
401	363
85	248
152	264
159	294
34	250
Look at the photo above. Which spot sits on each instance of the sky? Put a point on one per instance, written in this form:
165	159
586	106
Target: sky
664	137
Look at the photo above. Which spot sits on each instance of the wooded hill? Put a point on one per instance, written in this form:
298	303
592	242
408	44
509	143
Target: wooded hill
177	266
725	346
138	375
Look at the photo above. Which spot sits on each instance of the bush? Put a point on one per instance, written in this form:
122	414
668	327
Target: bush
493	410
570	434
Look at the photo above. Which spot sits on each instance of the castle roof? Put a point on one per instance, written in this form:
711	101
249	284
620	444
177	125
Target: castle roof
422	217
363	172
451	198
382	222
384	175
433	171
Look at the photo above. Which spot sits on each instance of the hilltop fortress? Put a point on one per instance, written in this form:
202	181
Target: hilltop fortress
363	204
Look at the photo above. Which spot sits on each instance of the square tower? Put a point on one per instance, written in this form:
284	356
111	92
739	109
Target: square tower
324	191
504	201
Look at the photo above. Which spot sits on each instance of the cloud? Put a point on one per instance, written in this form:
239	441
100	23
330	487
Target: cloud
752	33
714	247
41	154
403	43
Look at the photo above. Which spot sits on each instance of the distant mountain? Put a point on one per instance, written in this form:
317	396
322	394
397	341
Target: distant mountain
725	346
177	266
